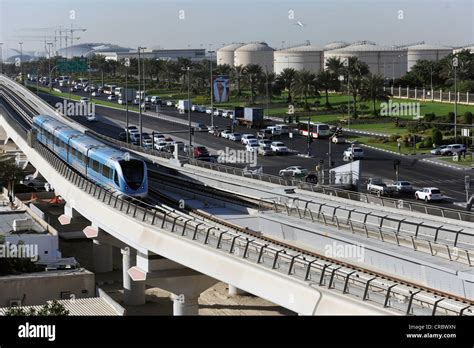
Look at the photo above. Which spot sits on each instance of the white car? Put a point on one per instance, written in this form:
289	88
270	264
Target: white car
226	133
338	139
84	100
247	137
265	142
169	103
429	194
353	152
235	136
30	181
252	147
294	171
218	113
162	146
159	138
278	147
112	97
453	149
147	143
121	101
209	111
95	94
91	117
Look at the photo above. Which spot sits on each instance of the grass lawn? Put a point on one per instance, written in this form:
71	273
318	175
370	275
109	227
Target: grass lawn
386	128
391	145
468	161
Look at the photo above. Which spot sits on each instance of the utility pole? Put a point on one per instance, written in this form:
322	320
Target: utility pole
49	44
212	95
455	65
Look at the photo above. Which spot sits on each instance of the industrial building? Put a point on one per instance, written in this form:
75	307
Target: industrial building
425	51
390	62
469	48
253	53
302	57
165	54
89	49
225	55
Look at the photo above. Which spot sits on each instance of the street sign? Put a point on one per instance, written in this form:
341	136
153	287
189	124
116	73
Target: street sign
72	66
466	132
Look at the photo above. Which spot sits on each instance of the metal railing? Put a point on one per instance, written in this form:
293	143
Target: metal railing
428	237
427	94
359	284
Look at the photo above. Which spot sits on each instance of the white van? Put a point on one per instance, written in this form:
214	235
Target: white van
284	129
118	91
275	130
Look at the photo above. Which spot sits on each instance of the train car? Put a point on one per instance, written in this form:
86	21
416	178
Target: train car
103	164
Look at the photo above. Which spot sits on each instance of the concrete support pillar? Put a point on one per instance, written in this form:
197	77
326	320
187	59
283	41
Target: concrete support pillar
70	211
234	291
185	305
133	291
103	260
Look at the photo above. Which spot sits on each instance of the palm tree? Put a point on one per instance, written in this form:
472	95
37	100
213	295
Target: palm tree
286	79
305	84
326	82
270	84
335	66
223	69
253	74
9	172
357	71
372	90
237	77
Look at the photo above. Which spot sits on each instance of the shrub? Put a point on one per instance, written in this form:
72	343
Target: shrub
468	117
450	117
436	136
430	117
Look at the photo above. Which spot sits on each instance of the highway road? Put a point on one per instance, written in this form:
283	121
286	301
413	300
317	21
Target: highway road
375	164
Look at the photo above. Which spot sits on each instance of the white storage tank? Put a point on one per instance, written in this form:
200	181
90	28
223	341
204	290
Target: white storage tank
426	52
387	61
307	57
225	55
255	53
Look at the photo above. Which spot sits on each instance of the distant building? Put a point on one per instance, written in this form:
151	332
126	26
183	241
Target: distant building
88	49
164	54
255	53
306	57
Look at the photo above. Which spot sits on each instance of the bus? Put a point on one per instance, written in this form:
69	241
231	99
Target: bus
316	129
109	89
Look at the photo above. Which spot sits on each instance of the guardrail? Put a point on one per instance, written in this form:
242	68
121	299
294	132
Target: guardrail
437	95
435	239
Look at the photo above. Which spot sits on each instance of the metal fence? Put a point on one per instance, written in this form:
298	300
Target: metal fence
436	95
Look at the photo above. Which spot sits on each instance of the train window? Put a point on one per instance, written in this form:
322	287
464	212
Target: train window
95	166
116	180
133	172
106	171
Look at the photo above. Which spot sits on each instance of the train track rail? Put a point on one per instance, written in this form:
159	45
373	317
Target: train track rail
319	270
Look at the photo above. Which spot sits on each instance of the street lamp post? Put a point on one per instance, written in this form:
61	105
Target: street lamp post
21	62
49	65
1	57
210	83
455	66
188	70
127	65
140	120
346	64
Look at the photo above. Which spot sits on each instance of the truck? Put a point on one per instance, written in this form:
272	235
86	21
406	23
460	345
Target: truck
378	187
184	105
253	117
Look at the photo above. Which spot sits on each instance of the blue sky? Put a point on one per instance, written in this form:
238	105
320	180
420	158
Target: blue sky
154	23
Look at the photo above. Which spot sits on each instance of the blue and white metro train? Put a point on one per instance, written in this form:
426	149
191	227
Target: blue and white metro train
103	164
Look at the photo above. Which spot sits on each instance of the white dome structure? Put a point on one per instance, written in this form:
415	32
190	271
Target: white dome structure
426	52
255	53
469	48
225	55
335	45
306	57
387	61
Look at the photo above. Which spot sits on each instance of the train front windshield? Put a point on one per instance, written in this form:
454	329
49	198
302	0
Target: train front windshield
133	171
